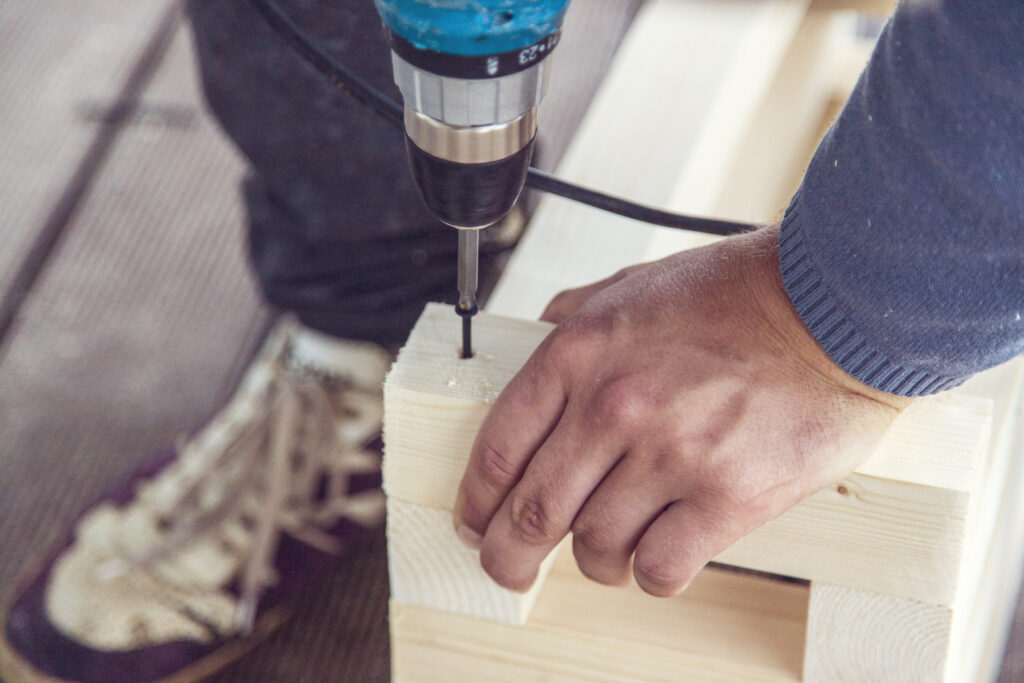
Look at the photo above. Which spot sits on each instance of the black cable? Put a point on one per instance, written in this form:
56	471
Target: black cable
392	112
545	182
336	73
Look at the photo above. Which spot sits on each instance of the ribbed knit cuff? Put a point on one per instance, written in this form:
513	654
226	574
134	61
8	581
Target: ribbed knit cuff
833	328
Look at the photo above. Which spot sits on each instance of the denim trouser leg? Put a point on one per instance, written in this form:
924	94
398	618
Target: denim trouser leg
338	234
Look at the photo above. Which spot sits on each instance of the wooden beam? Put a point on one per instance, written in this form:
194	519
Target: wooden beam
435	401
726	627
434	404
685	86
855	635
773	152
429	567
991	575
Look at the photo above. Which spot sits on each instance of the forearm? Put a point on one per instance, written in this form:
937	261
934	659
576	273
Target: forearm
903	251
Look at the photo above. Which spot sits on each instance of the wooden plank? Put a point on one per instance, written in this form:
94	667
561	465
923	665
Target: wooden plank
772	154
726	627
855	635
429	567
995	547
652	122
895	526
434	402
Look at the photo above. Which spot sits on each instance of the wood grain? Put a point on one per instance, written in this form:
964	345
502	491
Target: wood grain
855	635
429	567
726	627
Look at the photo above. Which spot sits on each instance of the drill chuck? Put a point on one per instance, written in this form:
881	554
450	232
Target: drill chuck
471	74
470	177
469	196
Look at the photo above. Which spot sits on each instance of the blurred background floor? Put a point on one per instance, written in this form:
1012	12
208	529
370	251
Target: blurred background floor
126	306
144	310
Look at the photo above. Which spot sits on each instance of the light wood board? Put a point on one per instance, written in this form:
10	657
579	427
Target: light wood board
726	627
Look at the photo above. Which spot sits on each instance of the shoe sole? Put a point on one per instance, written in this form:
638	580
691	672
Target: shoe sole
16	669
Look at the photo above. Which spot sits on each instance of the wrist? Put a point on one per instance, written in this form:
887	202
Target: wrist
781	325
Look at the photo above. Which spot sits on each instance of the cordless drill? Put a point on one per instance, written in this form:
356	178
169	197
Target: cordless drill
471	74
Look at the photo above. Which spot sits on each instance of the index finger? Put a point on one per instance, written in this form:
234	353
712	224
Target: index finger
519	422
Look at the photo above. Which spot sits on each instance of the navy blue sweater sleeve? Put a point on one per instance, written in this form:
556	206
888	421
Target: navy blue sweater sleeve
903	249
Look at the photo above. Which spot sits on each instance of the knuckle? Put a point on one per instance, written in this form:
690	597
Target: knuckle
577	342
564	347
532	522
682	434
621	405
497	470
666	463
591	541
730	486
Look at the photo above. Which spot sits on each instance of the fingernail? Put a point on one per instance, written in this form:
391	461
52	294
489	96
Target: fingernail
470	538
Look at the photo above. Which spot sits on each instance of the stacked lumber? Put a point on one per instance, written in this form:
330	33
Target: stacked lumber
903	571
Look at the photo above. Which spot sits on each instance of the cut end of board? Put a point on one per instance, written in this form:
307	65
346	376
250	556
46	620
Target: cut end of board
431	360
431	568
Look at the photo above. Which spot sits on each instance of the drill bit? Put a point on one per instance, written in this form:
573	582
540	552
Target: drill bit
469	262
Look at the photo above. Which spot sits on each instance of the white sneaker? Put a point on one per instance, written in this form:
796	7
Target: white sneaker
206	547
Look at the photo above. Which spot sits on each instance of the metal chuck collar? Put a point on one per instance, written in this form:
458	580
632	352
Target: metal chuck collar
470	177
470	123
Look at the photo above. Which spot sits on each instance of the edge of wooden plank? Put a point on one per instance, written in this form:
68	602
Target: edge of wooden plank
641	133
855	635
725	627
429	567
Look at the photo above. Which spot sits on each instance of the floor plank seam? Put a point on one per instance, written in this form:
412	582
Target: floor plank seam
119	114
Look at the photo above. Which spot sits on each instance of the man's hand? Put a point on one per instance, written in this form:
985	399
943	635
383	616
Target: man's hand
677	406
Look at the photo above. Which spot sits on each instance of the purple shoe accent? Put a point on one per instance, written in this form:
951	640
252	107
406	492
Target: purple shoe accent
38	643
50	652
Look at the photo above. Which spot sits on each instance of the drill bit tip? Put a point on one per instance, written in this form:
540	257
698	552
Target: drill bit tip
467	328
469	249
467	337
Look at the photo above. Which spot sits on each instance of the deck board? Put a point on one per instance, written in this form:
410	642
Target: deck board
62	63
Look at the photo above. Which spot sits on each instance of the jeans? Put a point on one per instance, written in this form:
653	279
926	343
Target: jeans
337	232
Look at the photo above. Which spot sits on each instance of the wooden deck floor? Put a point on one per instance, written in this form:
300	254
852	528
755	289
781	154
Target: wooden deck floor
143	307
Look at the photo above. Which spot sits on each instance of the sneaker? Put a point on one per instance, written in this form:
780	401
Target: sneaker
203	551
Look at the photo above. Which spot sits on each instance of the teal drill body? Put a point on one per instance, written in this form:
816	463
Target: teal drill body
472	74
473	27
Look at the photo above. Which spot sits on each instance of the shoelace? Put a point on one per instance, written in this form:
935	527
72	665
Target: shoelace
288	451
